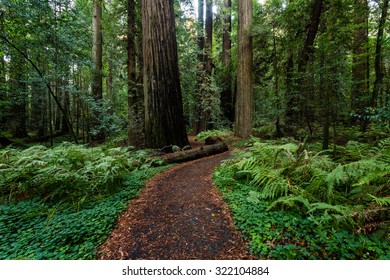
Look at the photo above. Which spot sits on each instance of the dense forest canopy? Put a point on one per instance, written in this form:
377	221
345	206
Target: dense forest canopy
320	69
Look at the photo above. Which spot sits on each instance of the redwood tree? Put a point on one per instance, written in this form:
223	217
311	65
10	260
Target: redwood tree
226	93
97	85
244	111
131	73
164	120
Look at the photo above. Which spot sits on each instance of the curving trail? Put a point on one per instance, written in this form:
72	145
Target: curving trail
179	215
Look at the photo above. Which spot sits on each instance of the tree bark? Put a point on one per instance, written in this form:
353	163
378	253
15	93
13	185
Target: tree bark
243	116
203	151
97	134
307	49
164	120
209	36
226	93
200	36
305	112
131	74
197	113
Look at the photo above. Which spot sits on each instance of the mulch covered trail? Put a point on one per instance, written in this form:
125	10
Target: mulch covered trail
179	215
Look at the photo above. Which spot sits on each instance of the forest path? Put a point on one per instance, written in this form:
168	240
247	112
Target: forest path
179	215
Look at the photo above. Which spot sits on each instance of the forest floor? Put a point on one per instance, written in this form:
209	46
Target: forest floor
179	215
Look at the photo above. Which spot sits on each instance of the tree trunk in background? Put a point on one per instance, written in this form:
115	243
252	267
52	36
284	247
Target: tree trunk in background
305	109
66	106
164	120
97	134
359	94
200	36
197	122
243	117
209	36
278	131
226	93
379	67
131	74
18	94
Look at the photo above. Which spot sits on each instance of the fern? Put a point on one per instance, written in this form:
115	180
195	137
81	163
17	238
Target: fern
67	172
291	201
381	201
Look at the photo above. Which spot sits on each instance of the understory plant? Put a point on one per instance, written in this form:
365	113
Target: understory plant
67	172
295	203
63	202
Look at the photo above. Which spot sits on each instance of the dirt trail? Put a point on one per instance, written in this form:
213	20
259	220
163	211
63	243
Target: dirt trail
179	215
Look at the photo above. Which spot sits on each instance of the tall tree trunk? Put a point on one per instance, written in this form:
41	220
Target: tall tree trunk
359	94
97	134
131	74
226	93
379	68
244	111
209	36
278	131
198	116
200	36
164	120
66	106
306	114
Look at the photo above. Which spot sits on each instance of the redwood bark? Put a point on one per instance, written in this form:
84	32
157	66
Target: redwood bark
131	74
164	120
97	84
209	36
243	117
226	93
197	153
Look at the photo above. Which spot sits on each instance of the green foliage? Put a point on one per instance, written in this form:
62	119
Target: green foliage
67	172
35	229
292	203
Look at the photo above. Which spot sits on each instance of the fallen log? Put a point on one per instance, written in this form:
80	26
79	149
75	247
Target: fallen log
203	151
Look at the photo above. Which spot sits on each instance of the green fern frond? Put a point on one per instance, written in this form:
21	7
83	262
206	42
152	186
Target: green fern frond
381	201
325	207
291	201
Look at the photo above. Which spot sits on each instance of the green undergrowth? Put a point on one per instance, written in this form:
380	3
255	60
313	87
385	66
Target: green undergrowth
62	203
293	203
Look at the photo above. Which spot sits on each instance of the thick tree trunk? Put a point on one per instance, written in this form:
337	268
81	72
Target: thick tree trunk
226	93
97	134
209	36
164	120
243	116
203	151
131	75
